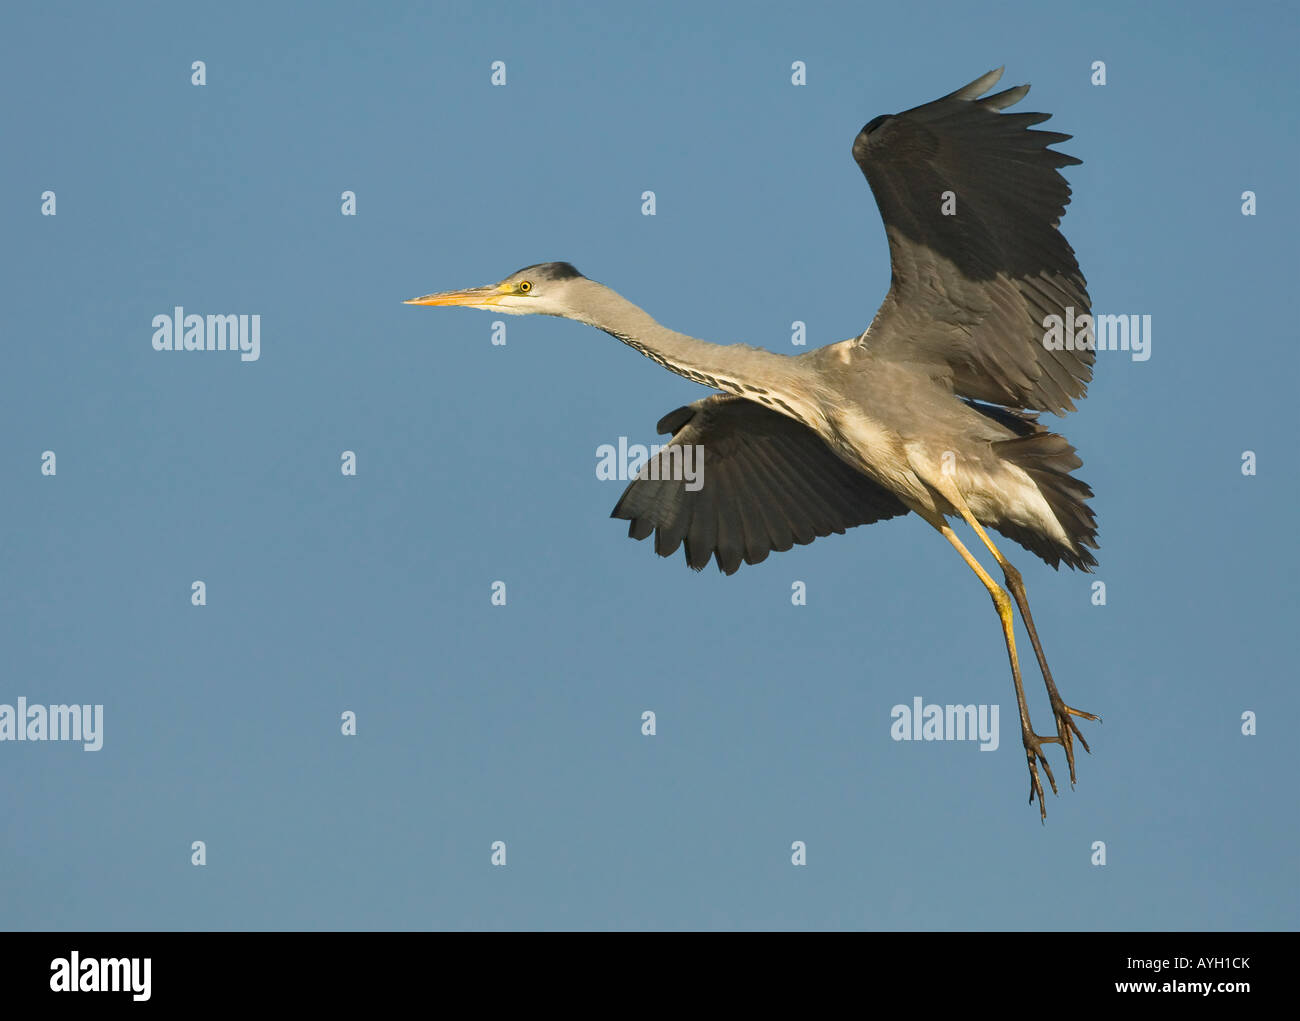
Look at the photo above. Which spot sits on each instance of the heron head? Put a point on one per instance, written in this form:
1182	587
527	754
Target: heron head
533	290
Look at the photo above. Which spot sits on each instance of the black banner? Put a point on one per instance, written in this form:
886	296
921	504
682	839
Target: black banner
164	970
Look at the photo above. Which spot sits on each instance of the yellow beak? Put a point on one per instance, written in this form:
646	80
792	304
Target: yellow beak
471	297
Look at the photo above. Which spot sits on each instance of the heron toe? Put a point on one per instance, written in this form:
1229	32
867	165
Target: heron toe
1067	730
1034	753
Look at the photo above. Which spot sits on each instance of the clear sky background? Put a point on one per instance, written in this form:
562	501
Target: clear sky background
476	463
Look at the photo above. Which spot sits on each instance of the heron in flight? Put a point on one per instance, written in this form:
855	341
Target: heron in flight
933	409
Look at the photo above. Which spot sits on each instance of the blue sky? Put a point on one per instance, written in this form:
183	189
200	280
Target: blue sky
476	463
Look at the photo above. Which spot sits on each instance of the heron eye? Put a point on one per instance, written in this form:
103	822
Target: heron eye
525	286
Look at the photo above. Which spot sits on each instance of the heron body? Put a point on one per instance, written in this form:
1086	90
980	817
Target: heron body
933	409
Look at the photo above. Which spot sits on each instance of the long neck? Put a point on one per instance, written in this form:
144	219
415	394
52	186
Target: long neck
778	381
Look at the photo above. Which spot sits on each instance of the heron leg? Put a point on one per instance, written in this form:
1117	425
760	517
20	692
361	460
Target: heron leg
1032	742
1066	728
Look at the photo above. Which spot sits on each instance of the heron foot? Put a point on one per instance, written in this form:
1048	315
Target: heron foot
1067	730
1034	753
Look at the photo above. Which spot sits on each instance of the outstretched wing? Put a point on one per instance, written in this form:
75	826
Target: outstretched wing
766	483
971	199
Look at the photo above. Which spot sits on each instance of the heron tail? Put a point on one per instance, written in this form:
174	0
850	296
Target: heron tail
1048	460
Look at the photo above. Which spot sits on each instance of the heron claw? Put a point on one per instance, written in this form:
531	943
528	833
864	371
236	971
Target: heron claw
1034	755
1067	730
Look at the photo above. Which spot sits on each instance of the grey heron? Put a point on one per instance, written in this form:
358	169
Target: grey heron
933	409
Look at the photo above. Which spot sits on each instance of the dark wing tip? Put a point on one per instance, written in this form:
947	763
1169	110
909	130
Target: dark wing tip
973	90
1008	264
